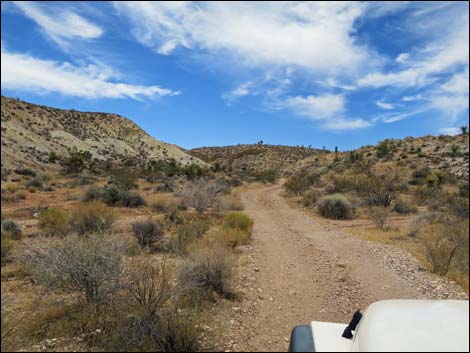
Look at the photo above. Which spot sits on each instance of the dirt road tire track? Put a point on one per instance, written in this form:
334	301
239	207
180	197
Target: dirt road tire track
299	271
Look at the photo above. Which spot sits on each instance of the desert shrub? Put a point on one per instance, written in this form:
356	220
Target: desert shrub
75	162
53	221
310	198
454	150
301	181
25	171
123	179
194	171
93	193
239	221
93	217
442	242
378	215
173	329
165	205
186	234
149	284
381	190
52	157
113	196
148	232
335	206
12	228
384	148
229	203
34	183
206	272
458	206
131	199
233	237
267	176
92	266
200	195
402	207
6	245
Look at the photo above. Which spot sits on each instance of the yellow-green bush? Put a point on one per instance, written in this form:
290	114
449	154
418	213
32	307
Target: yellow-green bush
53	222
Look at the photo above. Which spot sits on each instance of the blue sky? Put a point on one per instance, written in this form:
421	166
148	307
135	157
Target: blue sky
203	74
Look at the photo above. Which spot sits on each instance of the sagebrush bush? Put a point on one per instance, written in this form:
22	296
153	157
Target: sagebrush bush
53	221
405	208
310	198
92	217
92	266
149	232
301	181
200	195
335	206
165	205
113	196
205	272
12	228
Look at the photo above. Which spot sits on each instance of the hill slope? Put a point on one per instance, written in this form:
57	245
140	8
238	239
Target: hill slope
255	157
30	132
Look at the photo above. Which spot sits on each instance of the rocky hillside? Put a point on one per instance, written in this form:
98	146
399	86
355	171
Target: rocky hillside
30	132
255	157
446	153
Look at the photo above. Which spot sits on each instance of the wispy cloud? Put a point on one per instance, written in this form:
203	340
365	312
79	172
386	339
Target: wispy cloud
62	24
27	73
313	35
384	105
449	131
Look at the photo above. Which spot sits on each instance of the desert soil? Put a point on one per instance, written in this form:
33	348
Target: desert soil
299	269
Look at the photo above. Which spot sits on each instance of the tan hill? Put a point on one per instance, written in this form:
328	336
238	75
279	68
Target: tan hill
445	153
255	157
30	132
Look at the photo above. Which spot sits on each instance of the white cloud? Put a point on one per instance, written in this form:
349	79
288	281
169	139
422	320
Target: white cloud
450	106
313	35
402	57
384	105
63	24
27	73
412	98
341	124
449	51
450	131
316	107
459	84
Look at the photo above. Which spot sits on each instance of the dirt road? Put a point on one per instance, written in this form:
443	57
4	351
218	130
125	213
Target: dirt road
299	271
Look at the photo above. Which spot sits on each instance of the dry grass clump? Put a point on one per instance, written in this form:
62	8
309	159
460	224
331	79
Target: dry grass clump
92	217
187	234
207	273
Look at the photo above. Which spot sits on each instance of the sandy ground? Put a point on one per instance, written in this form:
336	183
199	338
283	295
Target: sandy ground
299	270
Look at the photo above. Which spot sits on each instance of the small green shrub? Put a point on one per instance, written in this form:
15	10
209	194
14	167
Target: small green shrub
335	206
186	234
239	221
53	221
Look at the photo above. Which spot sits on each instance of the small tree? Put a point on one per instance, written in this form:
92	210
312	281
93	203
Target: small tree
464	130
